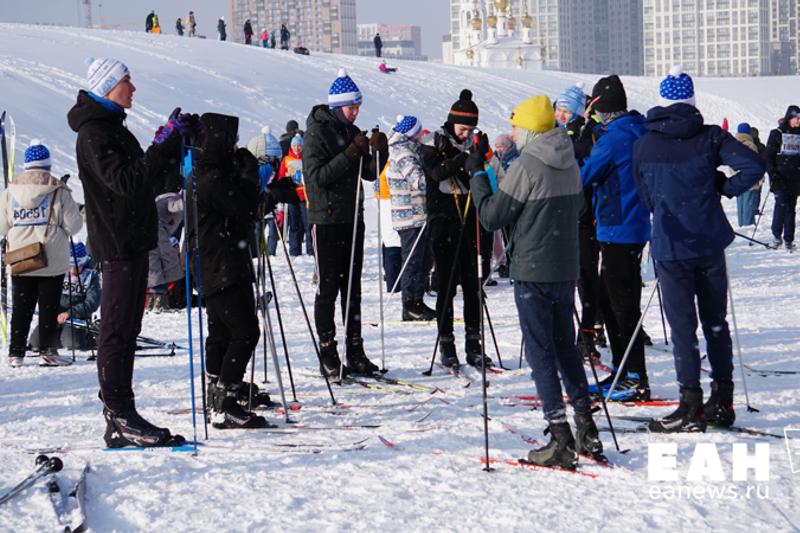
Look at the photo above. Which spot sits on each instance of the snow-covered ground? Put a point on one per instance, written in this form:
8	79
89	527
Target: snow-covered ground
433	479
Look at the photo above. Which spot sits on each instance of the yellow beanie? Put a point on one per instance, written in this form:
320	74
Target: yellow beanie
534	114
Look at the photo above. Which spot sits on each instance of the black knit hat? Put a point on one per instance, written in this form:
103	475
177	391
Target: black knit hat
464	111
292	126
611	95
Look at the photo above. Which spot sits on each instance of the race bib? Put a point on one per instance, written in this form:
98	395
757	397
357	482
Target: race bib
790	144
34	216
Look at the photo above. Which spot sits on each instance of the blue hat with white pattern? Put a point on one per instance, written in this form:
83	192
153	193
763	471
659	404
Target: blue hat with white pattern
37	156
677	88
408	126
343	91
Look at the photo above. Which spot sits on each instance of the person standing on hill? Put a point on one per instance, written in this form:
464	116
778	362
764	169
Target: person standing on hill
248	32
221	29
783	165
378	42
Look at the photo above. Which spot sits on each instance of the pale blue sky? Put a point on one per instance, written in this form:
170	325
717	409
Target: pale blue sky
432	15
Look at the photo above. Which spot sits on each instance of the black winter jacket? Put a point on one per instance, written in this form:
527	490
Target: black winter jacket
227	203
119	180
444	163
783	157
330	174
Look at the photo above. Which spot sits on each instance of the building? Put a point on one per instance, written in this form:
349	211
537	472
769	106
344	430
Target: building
319	25
400	42
783	36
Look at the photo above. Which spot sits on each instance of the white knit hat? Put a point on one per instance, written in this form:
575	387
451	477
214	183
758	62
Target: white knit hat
104	75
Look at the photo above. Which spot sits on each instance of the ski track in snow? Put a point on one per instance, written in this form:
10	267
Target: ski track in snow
434	480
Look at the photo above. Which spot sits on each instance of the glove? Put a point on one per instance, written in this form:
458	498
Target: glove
475	163
481	145
176	121
284	192
378	142
358	148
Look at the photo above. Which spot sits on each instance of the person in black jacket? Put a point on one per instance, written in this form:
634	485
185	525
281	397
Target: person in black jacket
783	165
452	220
148	22
223	34
336	154
119	180
248	32
378	42
285	36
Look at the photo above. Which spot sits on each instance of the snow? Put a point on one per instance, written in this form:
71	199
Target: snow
433	480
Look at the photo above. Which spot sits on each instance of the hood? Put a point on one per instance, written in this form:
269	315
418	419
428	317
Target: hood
323	116
87	109
678	121
30	187
216	144
553	148
791	111
401	146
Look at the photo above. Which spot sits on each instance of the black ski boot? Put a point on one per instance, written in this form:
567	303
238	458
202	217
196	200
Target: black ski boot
230	414
559	452
417	311
447	352
357	360
587	439
474	351
718	410
260	399
128	428
687	418
330	364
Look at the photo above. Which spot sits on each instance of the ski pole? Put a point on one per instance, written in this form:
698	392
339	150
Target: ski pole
478	272
71	305
260	279
628	350
750	408
274	353
660	304
521	350
491	330
199	301
758	219
754	241
352	260
265	254
380	260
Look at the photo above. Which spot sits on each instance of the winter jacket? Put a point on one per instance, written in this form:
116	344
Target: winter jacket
119	180
248	28
24	211
406	180
165	263
81	298
747	140
292	168
221	30
331	175
542	197
583	136
783	157
621	217
675	166
444	167
227	204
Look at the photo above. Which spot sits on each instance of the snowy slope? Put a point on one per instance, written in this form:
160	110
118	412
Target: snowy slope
433	481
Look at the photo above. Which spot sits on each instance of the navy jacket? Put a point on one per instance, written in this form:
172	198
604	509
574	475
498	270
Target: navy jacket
621	218
675	165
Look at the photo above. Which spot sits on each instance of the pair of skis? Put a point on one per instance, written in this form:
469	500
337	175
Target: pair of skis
7	150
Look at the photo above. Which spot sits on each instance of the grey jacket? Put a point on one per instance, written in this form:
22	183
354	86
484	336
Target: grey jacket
165	263
542	197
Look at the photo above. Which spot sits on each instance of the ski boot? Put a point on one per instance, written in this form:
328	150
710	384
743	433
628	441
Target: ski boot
718	410
357	360
776	242
260	399
687	418
559	452
51	357
16	358
475	355
128	428
587	439
789	245
447	352
503	271
417	311
330	364
600	336
633	387
605	384
231	415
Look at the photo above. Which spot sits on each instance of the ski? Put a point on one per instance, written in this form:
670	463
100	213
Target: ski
764	372
56	499
4	280
530	466
535	401
456	372
401	383
389	444
75	504
94	329
599	459
44	466
733	429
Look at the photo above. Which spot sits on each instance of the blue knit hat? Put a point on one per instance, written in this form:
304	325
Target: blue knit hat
297	140
343	91
573	99
408	126
677	88
744	127
273	146
37	156
79	255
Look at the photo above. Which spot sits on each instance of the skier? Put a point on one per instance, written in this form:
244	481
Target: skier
292	169
248	32
148	22
542	196
285	35
406	179
179	27
675	167
264	38
221	31
227	205
783	164
37	217
267	149
378	42
623	228
118	181
80	298
165	265
451	217
336	155
191	23
747	203
505	153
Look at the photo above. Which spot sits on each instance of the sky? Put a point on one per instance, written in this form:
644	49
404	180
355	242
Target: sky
431	15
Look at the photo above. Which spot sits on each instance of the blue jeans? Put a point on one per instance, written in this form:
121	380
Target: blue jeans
747	205
419	266
783	217
545	316
299	229
706	278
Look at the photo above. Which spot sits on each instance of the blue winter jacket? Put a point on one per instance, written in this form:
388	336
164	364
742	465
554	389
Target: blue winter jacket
675	165
621	218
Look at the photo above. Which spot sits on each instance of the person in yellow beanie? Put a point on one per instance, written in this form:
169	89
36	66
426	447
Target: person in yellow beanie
542	198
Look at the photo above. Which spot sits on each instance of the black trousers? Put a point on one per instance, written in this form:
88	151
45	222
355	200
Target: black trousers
233	332
122	305
589	285
26	292
332	248
620	301
445	234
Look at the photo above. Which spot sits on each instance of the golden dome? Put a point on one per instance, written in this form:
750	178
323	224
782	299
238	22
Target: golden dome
500	5
520	60
512	23
527	21
470	54
476	24
491	21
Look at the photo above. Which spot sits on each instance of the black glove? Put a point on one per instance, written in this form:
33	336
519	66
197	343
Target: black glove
719	183
475	162
358	148
284	192
482	146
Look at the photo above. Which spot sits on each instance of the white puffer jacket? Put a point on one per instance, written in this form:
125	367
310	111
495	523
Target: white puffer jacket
406	179
24	210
